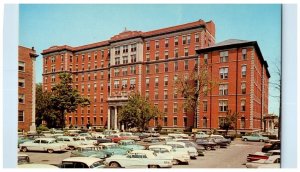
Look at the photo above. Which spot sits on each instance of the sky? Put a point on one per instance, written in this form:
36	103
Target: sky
43	26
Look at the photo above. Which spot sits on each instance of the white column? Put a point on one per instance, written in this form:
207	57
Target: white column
116	118
108	118
32	126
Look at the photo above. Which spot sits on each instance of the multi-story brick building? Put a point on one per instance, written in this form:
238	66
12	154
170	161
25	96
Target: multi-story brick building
146	62
26	90
243	78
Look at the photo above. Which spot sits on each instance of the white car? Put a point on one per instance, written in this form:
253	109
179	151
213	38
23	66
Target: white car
82	162
271	162
43	144
180	146
71	142
200	135
139	159
130	136
165	151
178	135
84	140
98	135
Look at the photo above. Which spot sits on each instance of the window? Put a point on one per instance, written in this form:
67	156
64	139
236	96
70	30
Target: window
166	67
156	68
147	57
176	53
186	52
102	74
166	43
89	77
124	83
95	55
156	44
95	100
223	56
22	98
147	46
165	121
165	108
133	47
224	73
185	121
175	121
124	71
95	76
183	39
116	72
175	107
52	59
156	95
102	54
186	65
205	106
156	55
117	60
204	122
46	59
242	122
89	87
82	57
21	82
196	37
166	81
125	48
222	121
223	105
176	41
243	87
147	95
243	105
244	54
175	66
166	94
189	39
133	58
132	83
101	86
175	79
82	87
147	83
21	66
223	89
21	116
147	69
205	58
244	68
175	95
132	70
166	54
116	84
125	59
156	82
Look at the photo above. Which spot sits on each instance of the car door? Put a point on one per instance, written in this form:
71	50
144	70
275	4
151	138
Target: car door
34	145
44	145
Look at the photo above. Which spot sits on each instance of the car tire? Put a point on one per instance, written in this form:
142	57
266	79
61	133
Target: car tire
245	139
50	150
208	148
114	165
24	149
261	140
153	166
177	162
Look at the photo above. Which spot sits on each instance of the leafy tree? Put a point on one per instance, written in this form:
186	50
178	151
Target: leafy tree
65	99
137	112
230	121
193	86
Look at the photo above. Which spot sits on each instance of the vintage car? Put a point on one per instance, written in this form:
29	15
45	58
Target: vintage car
262	155
71	142
86	140
73	132
271	162
131	145
255	137
139	159
114	148
82	162
43	144
141	135
178	136
23	159
116	138
189	143
178	157
180	146
84	135
200	135
110	132
208	144
90	151
98	135
23	140
130	136
273	145
37	166
220	138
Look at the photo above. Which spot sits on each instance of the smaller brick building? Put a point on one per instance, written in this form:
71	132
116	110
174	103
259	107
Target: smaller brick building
26	89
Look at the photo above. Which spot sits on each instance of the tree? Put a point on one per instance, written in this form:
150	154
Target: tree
44	108
137	112
230	121
193	86
66	99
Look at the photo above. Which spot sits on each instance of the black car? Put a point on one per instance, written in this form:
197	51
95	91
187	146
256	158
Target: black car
190	143
103	140
220	143
208	144
271	146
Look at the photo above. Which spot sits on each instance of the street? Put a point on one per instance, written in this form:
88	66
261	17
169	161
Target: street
234	156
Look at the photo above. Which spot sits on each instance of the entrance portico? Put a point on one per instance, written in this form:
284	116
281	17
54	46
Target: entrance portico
114	106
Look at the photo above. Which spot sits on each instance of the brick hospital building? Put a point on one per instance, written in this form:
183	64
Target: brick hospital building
150	63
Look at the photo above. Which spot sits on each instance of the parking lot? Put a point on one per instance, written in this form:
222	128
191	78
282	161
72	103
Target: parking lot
234	156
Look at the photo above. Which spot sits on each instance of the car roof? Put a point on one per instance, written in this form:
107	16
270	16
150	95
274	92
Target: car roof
87	160
161	146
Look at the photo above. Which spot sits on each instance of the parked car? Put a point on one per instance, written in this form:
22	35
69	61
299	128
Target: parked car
97	135
90	151
180	146
141	135
43	144
275	145
220	138
140	159
189	143
82	162
71	142
109	132
200	135
24	139
178	136
219	143
131	145
74	133
23	159
207	143
84	135
130	136
85	140
115	138
262	155
113	148
178	157
255	137
271	162
103	140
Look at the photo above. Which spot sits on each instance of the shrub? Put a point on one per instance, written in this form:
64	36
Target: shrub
42	128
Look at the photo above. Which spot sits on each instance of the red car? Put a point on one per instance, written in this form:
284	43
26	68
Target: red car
116	138
261	155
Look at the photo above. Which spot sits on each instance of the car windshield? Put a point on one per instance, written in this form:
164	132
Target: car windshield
97	164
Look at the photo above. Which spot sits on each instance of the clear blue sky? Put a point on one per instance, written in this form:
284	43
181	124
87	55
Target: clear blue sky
43	26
